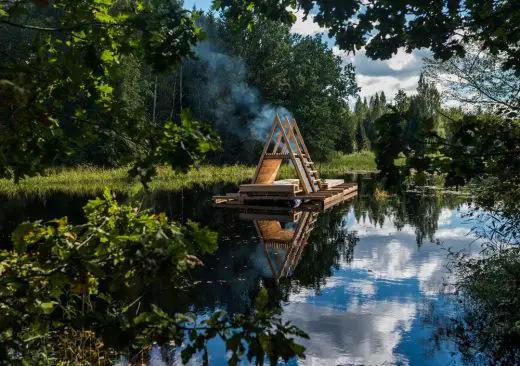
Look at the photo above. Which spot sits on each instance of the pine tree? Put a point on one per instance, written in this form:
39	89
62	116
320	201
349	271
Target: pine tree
428	100
361	115
422	116
382	99
401	101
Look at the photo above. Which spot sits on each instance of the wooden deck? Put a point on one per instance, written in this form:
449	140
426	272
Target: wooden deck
324	198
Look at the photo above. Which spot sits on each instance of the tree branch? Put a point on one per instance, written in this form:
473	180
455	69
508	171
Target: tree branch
59	29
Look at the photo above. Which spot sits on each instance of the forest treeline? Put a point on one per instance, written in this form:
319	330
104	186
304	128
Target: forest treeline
234	83
238	81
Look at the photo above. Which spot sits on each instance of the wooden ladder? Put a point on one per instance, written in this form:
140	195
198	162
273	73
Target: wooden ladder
301	150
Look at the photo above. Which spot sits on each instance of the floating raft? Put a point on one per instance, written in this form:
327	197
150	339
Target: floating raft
285	143
324	198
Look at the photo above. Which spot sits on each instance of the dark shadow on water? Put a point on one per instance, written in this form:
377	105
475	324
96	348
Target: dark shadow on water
360	276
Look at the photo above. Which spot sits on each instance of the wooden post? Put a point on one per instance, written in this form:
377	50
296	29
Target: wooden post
307	155
300	155
278	140
303	178
266	147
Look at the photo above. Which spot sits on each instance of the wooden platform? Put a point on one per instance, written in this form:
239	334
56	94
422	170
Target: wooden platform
323	199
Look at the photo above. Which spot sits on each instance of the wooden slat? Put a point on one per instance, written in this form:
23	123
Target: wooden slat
277	156
266	147
251	206
282	188
272	230
334	182
282	217
278	140
293	158
298	133
268	197
268	171
331	202
306	184
300	155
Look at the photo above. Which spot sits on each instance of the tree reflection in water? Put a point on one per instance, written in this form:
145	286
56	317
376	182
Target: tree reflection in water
233	276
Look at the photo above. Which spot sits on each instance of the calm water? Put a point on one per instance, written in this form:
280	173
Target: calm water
363	283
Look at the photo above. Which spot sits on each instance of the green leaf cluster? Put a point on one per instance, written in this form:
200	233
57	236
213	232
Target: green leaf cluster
59	86
383	27
61	278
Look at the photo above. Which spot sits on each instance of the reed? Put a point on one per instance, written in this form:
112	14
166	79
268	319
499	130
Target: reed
91	180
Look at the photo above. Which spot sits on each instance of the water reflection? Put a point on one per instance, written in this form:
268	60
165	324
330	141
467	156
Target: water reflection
283	239
359	279
369	311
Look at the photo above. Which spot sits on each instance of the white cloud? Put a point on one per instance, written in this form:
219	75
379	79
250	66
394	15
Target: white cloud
306	27
371	85
445	217
399	72
365	334
353	321
361	287
393	255
401	60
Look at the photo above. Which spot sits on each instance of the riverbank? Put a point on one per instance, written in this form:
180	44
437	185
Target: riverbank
89	180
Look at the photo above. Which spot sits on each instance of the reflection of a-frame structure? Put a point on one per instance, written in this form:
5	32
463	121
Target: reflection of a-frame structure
283	248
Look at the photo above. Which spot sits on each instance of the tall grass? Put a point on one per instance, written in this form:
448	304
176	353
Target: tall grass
92	180
359	161
89	180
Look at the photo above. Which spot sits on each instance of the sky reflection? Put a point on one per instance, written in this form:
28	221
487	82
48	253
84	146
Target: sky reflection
369	311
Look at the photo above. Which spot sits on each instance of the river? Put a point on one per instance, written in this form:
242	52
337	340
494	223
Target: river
366	283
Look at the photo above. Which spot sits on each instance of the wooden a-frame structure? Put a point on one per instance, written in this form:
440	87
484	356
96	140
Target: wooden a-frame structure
285	142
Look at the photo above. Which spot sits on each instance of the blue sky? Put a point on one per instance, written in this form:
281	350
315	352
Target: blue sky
400	72
199	4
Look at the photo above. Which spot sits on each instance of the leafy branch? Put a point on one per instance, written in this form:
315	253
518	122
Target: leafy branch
56	268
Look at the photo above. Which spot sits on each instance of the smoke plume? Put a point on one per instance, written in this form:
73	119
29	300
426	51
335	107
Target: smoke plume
220	93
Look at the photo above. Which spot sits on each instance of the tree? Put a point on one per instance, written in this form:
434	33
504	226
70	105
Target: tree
382	27
421	116
65	89
382	98
401	101
477	80
360	115
319	89
62	92
389	143
264	67
90	279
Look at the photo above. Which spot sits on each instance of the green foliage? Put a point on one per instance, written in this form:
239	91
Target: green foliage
61	92
359	161
178	145
490	288
409	131
299	73
401	101
62	278
90	180
478	146
446	27
389	144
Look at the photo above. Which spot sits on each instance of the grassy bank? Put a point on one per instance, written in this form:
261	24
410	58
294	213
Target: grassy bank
91	180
